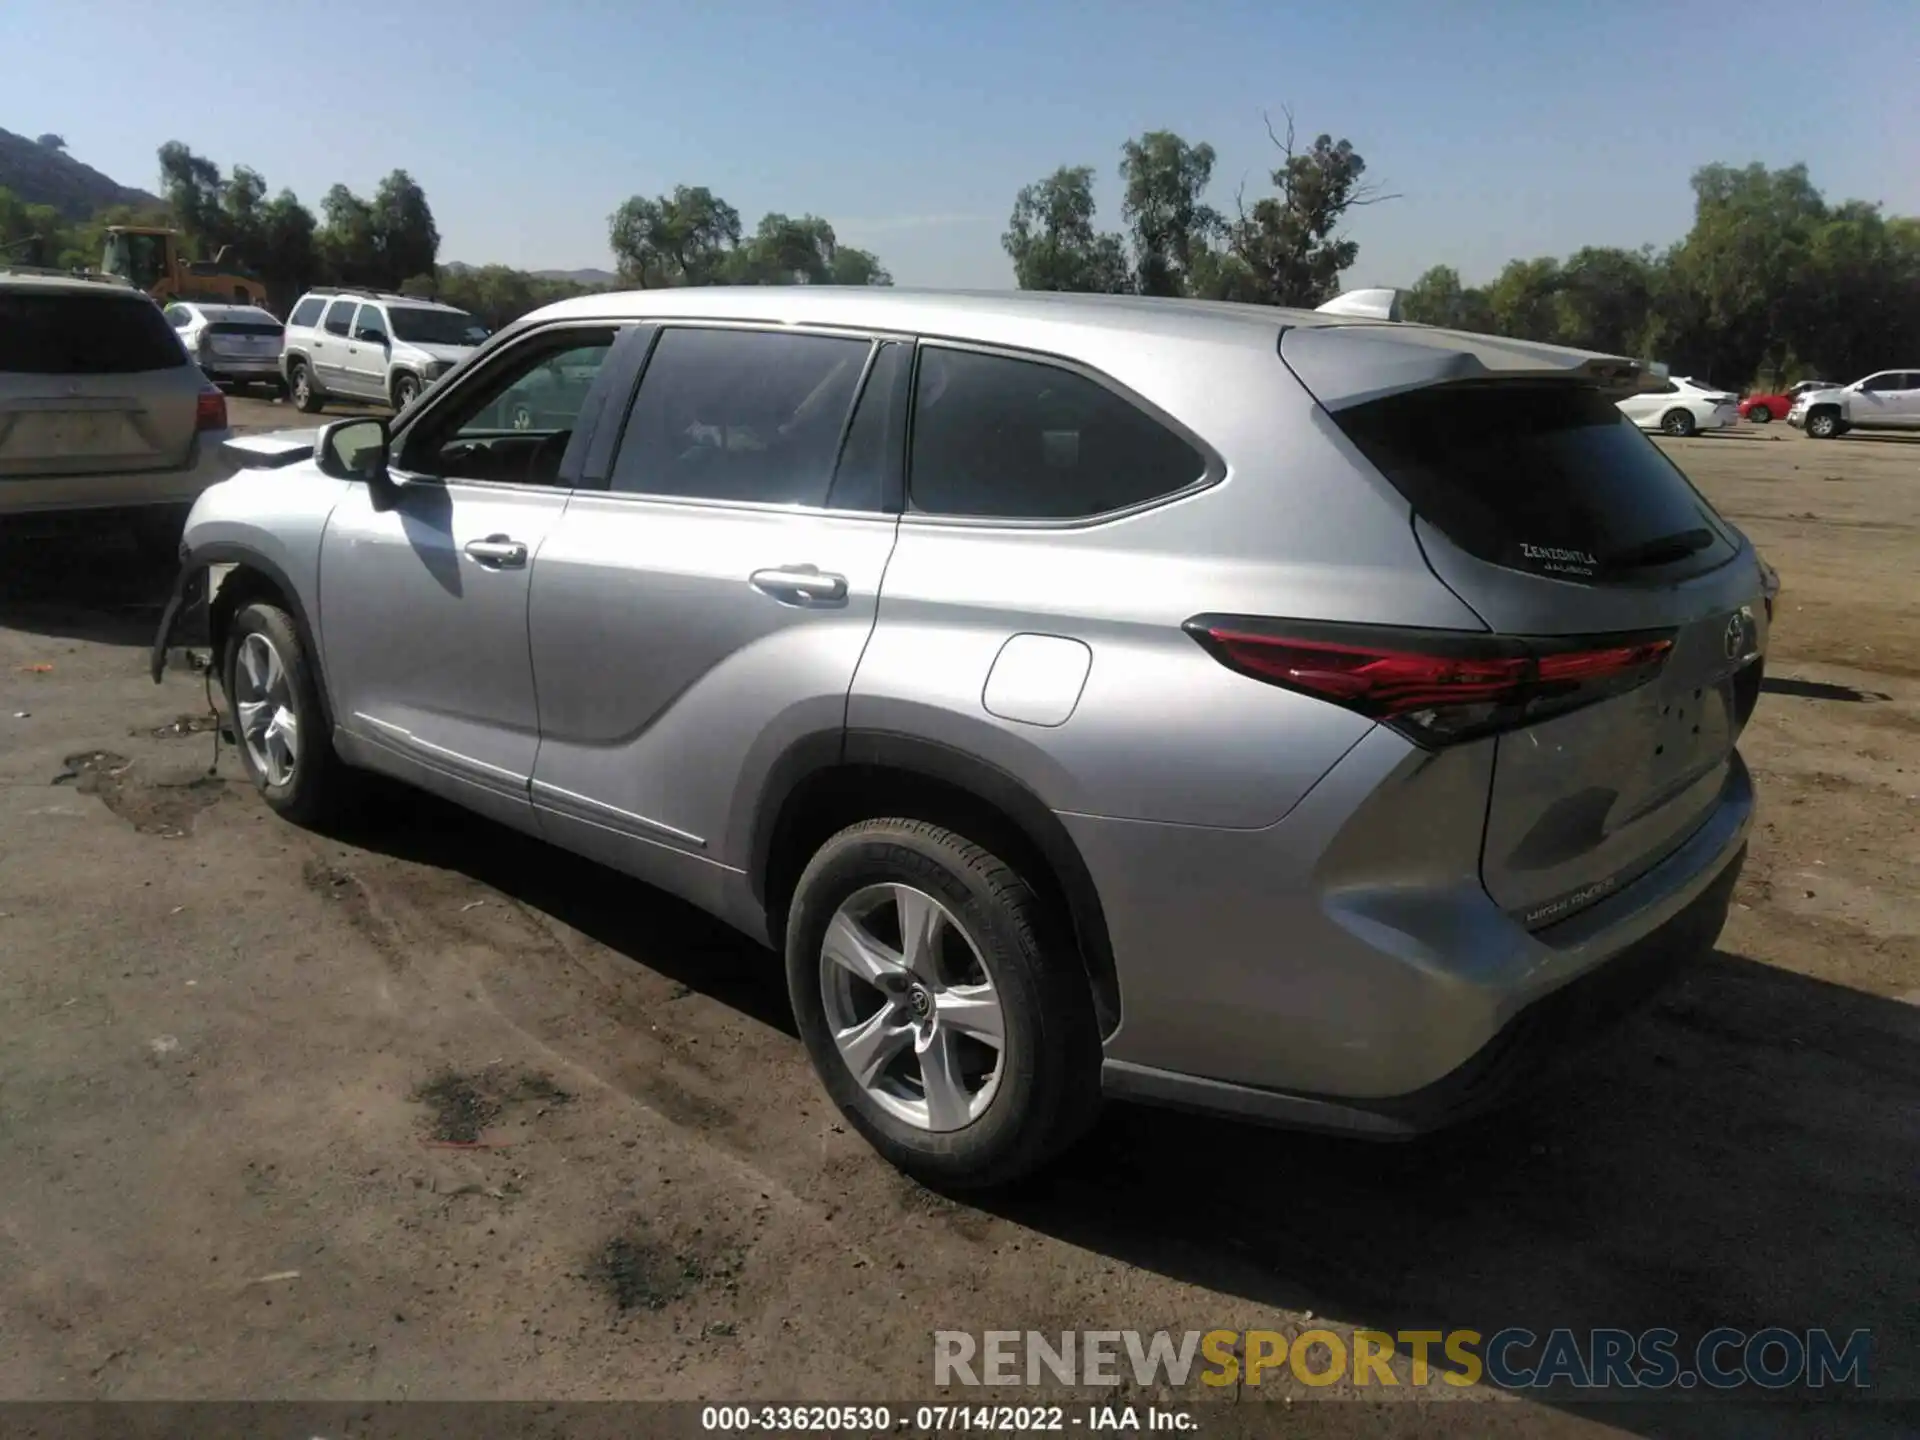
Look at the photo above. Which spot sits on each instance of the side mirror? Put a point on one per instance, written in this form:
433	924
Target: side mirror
370	337
354	450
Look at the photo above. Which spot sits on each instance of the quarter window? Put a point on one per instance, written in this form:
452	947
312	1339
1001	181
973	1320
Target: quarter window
306	312
742	415
340	317
1020	440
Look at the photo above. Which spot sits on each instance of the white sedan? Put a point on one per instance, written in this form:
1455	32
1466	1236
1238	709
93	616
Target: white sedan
1682	407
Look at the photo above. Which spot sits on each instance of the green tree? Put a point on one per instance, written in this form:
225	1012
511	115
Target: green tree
1165	180
194	191
287	254
348	239
1288	247
1605	301
404	235
853	266
680	239
1052	240
1524	300
1438	298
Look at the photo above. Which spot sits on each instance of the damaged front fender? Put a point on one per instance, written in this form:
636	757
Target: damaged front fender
189	589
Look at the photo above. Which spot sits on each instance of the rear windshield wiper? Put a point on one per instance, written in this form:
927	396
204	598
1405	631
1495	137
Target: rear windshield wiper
1662	549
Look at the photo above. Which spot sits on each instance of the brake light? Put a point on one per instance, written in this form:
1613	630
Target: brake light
210	411
1437	687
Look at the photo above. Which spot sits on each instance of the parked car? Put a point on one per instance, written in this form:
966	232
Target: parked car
1762	408
1314	719
232	344
103	418
369	345
1681	407
1885	400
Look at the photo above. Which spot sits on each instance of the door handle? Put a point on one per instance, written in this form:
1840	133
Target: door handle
800	585
500	551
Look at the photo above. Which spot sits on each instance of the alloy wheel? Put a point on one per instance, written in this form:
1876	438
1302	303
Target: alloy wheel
912	1008
263	710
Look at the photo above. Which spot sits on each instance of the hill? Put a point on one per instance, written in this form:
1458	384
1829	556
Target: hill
41	175
580	277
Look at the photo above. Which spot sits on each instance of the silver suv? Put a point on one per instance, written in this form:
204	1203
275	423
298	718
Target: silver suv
1270	712
368	345
102	414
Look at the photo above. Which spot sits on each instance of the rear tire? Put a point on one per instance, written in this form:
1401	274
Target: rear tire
307	398
266	666
1678	423
940	1102
1760	414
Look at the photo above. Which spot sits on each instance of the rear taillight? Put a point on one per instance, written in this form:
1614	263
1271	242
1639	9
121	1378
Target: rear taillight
210	411
1437	687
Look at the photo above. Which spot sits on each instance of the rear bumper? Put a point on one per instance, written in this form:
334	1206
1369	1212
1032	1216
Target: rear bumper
45	494
226	368
1257	979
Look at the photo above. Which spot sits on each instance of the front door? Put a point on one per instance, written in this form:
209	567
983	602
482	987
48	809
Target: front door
424	602
710	605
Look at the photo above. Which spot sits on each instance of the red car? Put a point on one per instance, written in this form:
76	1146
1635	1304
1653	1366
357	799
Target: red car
1762	408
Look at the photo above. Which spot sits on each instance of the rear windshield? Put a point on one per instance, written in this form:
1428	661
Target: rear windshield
245	327
63	333
1550	479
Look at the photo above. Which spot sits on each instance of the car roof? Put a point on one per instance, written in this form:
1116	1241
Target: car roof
70	284
377	297
1344	359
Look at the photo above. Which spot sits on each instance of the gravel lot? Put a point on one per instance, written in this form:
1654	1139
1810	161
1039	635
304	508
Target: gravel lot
244	1068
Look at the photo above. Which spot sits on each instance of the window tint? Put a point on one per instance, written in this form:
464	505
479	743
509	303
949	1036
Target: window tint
340	317
995	436
307	311
1546	478
436	327
739	415
512	422
871	456
77	333
178	316
370	322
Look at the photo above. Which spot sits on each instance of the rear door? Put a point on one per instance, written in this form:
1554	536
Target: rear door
1538	504
330	347
710	605
92	382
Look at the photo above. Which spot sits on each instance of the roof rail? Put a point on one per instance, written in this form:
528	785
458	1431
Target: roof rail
358	292
1382	303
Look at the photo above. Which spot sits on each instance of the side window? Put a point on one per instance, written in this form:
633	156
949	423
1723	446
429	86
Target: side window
307	312
512	422
370	324
748	415
1021	440
340	317
871	455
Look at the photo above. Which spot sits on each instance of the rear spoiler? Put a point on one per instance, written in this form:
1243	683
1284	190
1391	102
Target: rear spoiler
272	450
1347	365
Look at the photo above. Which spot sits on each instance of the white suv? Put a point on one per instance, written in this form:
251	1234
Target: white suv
368	345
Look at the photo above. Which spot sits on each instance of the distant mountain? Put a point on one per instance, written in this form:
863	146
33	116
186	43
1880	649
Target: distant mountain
580	277
42	175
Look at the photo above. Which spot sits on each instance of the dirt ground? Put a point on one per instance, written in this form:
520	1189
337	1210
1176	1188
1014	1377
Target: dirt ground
430	1111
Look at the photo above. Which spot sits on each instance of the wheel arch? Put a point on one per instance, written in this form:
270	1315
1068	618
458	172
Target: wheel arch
825	782
255	577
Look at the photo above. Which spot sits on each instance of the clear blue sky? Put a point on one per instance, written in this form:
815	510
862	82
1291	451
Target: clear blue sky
1520	128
